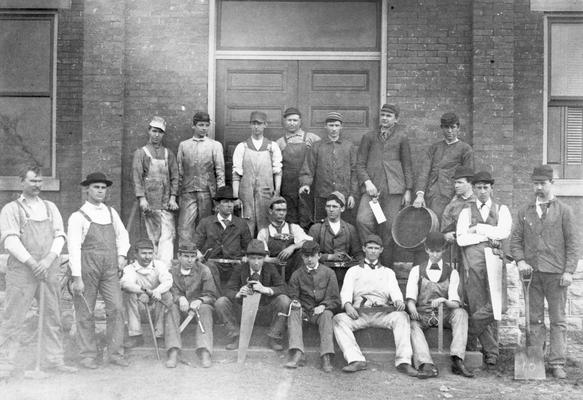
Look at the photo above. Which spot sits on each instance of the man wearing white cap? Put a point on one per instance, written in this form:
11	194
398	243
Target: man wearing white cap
155	176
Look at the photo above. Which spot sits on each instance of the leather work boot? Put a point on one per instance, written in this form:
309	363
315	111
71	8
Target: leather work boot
355	366
295	358
326	365
559	372
205	358
88	363
407	369
427	370
234	344
275	344
172	358
458	367
119	361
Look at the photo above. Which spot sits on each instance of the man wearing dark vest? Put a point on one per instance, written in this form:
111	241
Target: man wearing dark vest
98	246
33	235
155	176
481	225
294	145
545	245
428	286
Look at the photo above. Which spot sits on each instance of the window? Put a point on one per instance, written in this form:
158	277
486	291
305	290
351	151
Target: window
27	94
565	97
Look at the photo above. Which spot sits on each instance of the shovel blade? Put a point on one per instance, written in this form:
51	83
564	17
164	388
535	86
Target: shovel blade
529	363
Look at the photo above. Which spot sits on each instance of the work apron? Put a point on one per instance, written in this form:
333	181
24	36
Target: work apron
99	271
157	182
277	243
21	287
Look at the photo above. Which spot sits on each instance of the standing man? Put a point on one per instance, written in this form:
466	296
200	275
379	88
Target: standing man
294	145
155	175
201	168
98	245
483	224
385	175
33	235
544	244
256	173
371	297
330	166
434	184
315	298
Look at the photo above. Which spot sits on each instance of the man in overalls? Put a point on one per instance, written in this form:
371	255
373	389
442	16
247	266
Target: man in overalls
483	224
256	173
97	253
295	144
282	239
201	169
155	175
33	235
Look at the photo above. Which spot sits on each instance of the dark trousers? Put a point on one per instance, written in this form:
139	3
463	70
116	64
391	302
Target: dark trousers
325	328
229	313
299	209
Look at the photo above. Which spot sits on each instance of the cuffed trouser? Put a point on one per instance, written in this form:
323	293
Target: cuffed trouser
397	321
456	319
229	313
325	328
160	229
194	206
201	340
546	285
21	288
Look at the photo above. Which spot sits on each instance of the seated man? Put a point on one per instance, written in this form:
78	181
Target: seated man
150	282
255	275
371	297
338	240
282	238
429	286
194	291
315	297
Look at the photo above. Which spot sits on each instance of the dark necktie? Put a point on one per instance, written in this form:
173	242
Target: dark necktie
254	276
434	266
482	205
371	265
543	208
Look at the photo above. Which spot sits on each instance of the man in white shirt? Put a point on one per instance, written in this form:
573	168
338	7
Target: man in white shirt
483	224
428	286
371	297
33	235
97	254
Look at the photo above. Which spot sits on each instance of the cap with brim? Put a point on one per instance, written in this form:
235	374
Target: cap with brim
435	241
276	200
391	108
187	248
96	177
292	111
310	247
144	244
256	247
224	193
483	176
334	116
373	239
463	172
201	116
339	197
542	173
449	119
258	116
158	122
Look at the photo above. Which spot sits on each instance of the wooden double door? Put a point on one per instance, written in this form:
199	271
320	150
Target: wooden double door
314	87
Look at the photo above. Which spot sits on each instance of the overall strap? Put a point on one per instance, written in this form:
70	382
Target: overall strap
85	215
147	152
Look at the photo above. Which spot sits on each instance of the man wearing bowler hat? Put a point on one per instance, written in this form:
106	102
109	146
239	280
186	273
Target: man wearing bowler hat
256	173
255	276
483	224
155	176
98	245
434	187
201	169
545	245
385	175
294	145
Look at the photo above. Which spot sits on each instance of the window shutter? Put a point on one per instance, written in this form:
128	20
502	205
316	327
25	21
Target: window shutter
574	136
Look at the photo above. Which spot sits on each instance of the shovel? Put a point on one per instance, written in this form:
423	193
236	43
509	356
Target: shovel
528	359
37	373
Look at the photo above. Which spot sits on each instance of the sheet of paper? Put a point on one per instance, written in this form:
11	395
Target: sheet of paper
377	211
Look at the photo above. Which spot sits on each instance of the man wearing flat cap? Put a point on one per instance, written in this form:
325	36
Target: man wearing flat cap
385	175
155	177
194	291
294	145
434	187
283	239
484	224
547	248
255	276
98	245
145	281
201	169
256	173
370	297
330	166
315	298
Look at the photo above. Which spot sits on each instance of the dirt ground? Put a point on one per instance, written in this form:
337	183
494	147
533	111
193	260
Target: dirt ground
263	377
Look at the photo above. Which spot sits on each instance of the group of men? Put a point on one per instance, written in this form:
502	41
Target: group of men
281	187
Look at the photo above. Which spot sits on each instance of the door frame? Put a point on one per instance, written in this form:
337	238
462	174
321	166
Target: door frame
214	55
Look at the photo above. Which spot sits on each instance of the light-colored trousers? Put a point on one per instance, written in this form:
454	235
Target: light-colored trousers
397	321
160	228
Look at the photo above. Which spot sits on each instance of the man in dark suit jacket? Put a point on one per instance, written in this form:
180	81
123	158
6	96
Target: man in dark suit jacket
255	276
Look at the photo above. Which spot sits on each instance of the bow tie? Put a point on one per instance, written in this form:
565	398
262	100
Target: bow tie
434	266
254	276
311	271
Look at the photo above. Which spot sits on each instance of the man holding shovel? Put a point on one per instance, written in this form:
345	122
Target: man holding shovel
544	244
33	235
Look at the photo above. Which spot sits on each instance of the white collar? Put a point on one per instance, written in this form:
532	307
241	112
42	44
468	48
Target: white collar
488	203
100	206
221	219
450	143
313	269
439	263
251	272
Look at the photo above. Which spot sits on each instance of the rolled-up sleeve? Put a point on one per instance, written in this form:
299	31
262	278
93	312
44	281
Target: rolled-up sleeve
122	238
276	159
412	289
219	162
238	161
165	278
